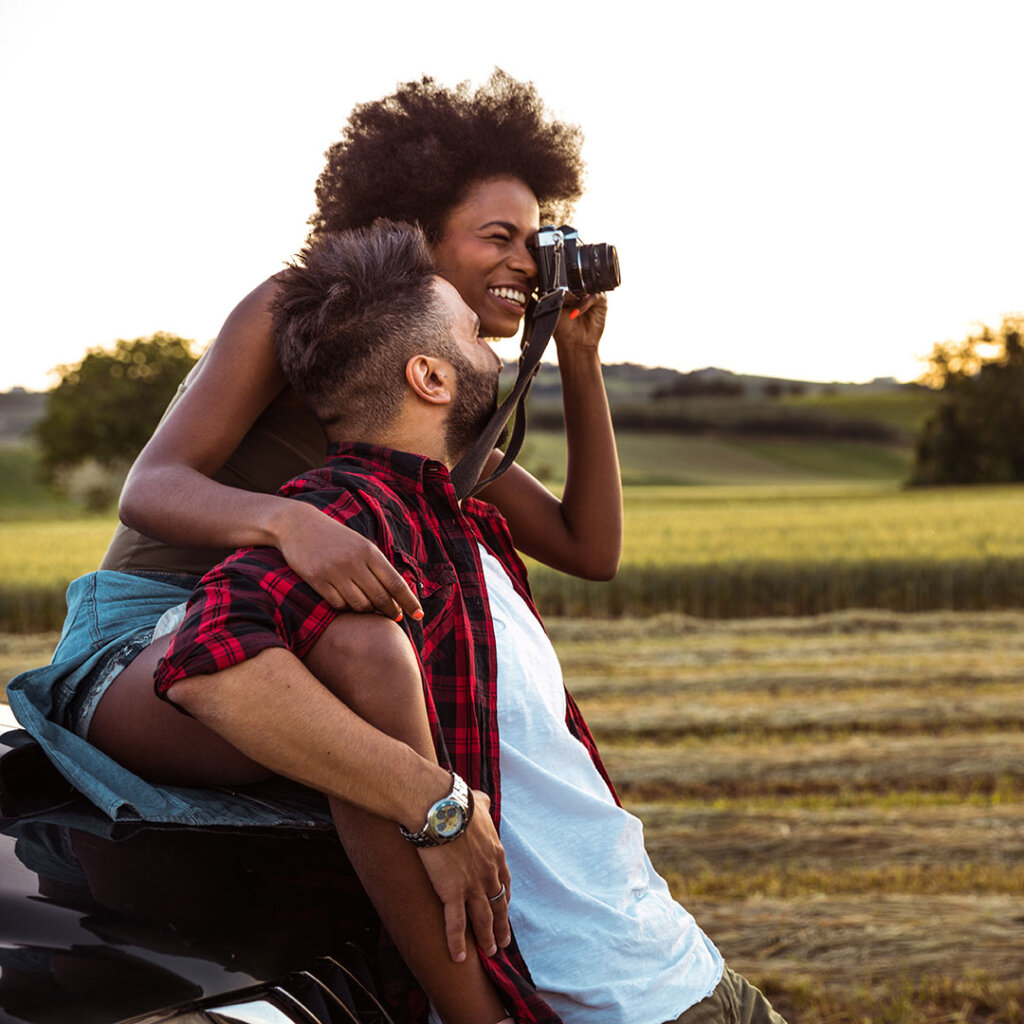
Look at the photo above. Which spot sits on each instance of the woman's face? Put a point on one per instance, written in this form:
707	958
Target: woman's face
482	251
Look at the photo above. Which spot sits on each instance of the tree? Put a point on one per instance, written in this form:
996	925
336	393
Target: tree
106	407
976	434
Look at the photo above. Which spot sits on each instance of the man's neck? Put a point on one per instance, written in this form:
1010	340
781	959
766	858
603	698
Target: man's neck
416	443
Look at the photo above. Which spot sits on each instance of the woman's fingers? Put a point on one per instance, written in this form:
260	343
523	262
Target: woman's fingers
377	588
393	592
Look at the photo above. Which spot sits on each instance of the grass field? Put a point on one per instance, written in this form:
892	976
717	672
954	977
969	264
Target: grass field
716	551
838	799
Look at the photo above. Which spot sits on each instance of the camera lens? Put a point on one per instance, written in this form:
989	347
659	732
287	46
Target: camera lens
599	268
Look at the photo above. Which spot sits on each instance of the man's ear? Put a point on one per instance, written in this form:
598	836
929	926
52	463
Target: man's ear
431	379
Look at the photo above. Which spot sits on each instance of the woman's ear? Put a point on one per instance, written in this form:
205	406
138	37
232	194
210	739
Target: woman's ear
431	379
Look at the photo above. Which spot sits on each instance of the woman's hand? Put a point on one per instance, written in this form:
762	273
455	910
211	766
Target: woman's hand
343	567
466	874
581	324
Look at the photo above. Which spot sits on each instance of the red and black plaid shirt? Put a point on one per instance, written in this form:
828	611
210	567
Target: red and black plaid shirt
406	505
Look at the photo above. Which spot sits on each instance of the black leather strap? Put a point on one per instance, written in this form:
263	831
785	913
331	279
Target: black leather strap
541	316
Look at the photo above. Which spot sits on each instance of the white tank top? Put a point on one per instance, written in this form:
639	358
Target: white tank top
603	938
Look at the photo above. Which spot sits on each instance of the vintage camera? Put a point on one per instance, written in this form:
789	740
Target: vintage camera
563	261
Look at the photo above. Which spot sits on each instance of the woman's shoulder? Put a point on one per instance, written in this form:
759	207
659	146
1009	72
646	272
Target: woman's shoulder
243	350
253	314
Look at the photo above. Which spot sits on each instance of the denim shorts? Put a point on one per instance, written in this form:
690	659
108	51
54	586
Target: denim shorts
76	715
111	617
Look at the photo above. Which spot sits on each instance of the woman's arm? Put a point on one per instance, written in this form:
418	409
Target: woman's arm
581	533
170	493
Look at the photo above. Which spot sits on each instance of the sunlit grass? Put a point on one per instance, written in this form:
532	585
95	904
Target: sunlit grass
821	523
726	551
46	551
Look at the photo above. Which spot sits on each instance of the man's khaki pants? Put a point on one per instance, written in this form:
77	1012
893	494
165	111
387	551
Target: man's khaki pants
734	1001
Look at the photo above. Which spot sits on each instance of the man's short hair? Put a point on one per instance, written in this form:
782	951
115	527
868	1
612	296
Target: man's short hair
350	313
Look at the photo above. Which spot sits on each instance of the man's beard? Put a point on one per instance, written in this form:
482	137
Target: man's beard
476	400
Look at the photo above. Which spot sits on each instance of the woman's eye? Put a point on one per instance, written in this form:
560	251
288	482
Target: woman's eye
499	237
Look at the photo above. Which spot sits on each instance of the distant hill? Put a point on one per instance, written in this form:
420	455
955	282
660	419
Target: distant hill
717	401
711	400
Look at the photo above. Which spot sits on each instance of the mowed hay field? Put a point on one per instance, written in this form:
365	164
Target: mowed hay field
838	799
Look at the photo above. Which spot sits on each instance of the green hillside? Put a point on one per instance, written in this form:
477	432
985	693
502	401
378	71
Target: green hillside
651	459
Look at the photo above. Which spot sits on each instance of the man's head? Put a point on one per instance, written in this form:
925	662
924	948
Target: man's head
366	332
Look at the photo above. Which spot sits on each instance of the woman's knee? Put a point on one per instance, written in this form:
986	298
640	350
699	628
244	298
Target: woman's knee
368	662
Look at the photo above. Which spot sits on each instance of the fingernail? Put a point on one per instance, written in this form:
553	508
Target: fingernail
575	313
460	957
399	617
418	614
492	951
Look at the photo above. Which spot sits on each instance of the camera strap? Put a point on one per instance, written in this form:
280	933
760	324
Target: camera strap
541	317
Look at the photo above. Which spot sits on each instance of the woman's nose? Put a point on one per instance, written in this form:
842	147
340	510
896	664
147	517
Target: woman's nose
522	261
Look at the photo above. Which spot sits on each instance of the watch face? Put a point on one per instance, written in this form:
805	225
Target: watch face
446	819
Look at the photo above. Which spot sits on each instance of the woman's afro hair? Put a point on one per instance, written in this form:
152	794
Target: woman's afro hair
413	156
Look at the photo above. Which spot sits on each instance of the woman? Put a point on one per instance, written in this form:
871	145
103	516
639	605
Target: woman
478	172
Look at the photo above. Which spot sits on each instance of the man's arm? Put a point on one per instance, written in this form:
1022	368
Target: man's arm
234	666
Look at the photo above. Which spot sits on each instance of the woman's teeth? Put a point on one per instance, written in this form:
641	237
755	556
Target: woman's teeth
510	295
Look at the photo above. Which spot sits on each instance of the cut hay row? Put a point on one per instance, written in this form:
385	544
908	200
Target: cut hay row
869	940
734	660
929	709
975	763
690	839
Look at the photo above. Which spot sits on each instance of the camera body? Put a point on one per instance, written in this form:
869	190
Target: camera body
564	262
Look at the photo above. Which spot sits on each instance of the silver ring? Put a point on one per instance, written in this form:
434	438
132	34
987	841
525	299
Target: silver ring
500	896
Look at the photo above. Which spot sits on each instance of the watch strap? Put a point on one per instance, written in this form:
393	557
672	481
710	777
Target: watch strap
462	795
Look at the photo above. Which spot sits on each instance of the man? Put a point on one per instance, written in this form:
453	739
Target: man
388	357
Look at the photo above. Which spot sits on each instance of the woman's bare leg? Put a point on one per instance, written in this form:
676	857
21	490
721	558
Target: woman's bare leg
156	741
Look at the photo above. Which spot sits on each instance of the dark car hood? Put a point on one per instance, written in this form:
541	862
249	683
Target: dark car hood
101	922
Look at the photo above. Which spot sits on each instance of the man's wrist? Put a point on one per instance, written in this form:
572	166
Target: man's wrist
446	818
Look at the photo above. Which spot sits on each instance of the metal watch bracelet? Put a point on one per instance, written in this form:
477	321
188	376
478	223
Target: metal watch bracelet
457	803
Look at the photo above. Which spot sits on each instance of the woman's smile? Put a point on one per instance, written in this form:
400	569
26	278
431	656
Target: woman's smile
483	252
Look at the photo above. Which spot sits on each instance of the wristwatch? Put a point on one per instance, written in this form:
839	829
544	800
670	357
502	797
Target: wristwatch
447	819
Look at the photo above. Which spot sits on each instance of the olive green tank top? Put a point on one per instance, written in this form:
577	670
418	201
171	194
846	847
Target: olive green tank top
284	441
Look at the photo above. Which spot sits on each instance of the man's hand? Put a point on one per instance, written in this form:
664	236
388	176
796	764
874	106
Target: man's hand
466	874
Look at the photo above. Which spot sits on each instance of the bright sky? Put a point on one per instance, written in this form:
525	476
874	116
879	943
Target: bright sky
816	189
